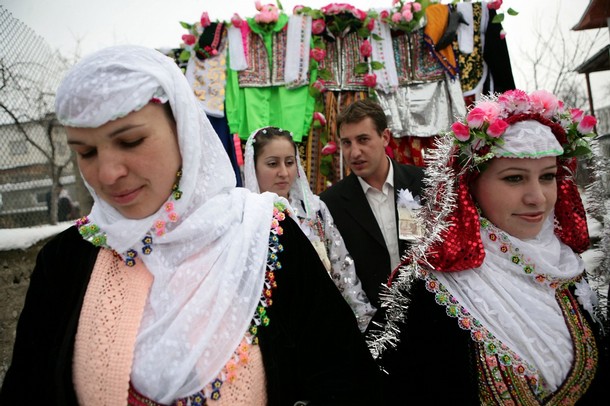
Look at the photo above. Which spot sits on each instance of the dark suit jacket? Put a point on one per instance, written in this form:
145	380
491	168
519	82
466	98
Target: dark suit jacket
359	229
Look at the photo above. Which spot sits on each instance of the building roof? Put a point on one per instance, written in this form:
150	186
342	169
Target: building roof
595	16
597	63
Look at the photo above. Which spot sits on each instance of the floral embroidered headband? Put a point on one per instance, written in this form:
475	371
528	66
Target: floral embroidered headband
483	132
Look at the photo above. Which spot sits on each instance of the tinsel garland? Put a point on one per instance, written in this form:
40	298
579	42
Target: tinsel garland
439	200
598	207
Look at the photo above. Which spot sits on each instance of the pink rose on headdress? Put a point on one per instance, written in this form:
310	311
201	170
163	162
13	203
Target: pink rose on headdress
317	54
544	103
384	14
461	131
189	39
319	117
366	49
317	26
416	7
236	20
586	125
497	128
205	19
484	112
577	115
396	17
370	80
494	5
514	101
329	148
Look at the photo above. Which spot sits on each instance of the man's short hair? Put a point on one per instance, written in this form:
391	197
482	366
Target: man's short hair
361	109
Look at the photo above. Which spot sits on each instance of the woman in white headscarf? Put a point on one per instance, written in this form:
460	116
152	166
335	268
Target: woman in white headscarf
177	288
272	164
492	305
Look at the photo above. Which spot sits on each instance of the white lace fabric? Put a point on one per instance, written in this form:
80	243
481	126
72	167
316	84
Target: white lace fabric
517	309
209	266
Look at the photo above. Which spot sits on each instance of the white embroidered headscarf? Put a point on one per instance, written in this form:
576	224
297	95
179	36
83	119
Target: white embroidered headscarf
303	202
209	266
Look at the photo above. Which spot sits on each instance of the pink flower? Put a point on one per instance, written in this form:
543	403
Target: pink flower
394	2
318	26
484	112
384	14
497	128
297	8
494	5
361	15
319	117
396	17
544	103
371	25
258	5
317	54
236	20
461	131
329	148
502	34
205	19
365	48
586	125
514	101
408	15
416	7
370	80
319	85
577	115
189	39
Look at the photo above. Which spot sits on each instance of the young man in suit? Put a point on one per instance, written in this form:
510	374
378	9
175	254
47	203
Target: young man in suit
363	204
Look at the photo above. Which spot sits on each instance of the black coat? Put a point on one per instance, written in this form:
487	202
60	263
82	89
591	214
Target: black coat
312	349
362	235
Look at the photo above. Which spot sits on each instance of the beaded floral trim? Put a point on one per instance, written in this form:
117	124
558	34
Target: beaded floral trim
516	257
92	232
241	355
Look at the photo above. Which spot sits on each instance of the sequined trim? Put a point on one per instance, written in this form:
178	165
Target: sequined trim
260	318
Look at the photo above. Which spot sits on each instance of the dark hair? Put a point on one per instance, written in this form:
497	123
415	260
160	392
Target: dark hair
266	134
361	109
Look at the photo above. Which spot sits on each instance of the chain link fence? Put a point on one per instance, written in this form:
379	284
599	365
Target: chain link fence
37	177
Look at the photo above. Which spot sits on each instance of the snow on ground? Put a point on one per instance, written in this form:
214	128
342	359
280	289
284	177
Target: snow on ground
23	238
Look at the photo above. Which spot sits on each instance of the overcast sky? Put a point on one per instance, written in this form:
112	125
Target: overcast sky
155	23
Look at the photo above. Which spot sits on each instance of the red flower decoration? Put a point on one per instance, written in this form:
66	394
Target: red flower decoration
189	39
329	148
370	80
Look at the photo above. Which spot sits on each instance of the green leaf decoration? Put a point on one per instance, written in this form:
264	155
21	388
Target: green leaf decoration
324	74
376	37
364	32
512	12
186	25
375	65
362	68
498	18
184	55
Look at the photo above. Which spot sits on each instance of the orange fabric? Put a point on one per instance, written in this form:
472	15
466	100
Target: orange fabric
437	16
107	329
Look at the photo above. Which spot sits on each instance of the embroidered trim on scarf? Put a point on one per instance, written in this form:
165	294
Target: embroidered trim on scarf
260	318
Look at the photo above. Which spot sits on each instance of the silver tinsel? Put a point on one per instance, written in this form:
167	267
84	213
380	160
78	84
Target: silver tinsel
439	200
598	207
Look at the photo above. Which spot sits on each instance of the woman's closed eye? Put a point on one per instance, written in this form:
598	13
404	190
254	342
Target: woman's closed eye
132	143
